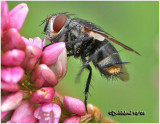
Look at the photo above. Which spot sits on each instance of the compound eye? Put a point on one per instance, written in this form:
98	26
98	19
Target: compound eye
59	22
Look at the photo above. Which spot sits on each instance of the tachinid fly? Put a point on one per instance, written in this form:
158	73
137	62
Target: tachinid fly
89	42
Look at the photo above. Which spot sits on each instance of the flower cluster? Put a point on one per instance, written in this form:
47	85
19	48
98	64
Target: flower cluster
29	75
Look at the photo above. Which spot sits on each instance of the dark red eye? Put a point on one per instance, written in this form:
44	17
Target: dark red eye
59	22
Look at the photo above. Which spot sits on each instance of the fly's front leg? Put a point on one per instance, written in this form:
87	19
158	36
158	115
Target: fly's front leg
47	45
56	39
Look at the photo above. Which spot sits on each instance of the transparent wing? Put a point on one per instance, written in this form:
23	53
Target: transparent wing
105	34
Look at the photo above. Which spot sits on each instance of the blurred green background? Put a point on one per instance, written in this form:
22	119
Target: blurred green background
135	24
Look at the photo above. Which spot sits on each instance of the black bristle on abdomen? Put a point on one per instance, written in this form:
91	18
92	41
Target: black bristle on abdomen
107	60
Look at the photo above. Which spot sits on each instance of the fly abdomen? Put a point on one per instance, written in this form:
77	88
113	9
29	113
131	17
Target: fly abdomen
108	61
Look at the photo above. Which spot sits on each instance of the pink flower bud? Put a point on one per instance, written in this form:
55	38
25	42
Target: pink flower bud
60	67
43	74
73	119
13	57
10	87
48	113
32	56
55	56
3	114
24	113
35	42
43	95
12	75
17	16
4	15
12	101
12	40
74	105
52	52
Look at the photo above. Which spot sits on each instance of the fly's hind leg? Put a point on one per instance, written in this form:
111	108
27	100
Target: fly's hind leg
87	85
87	66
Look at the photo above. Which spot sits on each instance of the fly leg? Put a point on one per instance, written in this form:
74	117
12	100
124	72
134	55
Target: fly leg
47	45
78	47
56	39
87	66
85	53
87	85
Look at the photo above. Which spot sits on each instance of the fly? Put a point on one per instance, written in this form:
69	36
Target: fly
90	43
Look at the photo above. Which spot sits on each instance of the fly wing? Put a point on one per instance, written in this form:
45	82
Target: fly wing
106	35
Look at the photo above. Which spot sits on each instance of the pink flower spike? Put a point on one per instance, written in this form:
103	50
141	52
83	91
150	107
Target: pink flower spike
17	16
10	87
43	74
74	105
32	56
48	113
24	113
12	101
73	119
13	57
12	75
12	40
35	42
52	52
43	95
3	114
60	67
4	15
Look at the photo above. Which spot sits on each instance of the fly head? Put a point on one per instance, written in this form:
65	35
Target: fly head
55	26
